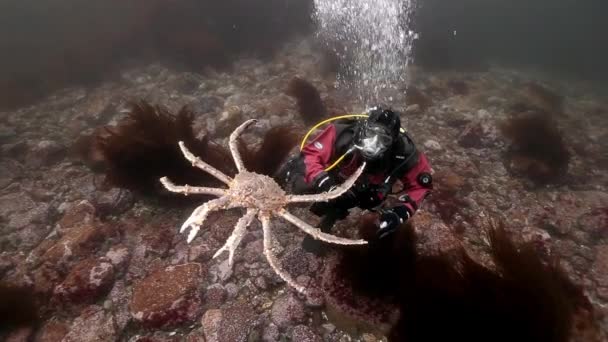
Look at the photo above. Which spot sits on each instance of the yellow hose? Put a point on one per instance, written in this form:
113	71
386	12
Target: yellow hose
329	120
326	121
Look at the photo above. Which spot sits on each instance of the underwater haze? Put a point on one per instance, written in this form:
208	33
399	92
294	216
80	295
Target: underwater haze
99	100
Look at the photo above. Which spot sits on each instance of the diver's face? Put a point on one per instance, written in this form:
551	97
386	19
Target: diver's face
374	141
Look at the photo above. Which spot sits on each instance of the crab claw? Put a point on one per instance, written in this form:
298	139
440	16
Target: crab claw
237	235
199	215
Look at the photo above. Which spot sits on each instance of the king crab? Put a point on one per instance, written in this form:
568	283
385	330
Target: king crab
261	196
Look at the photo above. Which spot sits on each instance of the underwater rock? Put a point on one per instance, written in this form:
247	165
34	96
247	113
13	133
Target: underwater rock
233	323
253	250
94	324
113	202
38	214
477	134
211	322
53	331
13	203
119	257
412	109
78	241
7	173
303	333
448	180
595	222
86	283
271	333
206	104
119	299
287	310
215	296
353	304
295	262
599	271
432	145
45	153
221	272
227	121
168	297
82	212
20	335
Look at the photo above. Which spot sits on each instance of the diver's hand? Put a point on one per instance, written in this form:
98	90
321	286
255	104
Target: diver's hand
320	208
324	182
390	220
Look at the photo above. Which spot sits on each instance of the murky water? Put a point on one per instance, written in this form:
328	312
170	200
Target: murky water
507	100
375	40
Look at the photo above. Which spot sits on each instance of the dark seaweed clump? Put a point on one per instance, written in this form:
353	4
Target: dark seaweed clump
144	147
275	146
537	149
18	308
526	300
310	105
453	296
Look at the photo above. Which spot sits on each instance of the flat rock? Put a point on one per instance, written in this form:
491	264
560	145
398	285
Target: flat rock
215	296
53	331
238	322
45	153
168	297
287	310
231	324
302	333
82	212
76	242
113	202
119	299
599	271
88	280
93	325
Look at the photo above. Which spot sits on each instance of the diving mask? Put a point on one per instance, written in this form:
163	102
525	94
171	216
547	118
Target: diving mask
374	140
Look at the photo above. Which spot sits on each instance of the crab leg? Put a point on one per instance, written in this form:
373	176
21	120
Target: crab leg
200	214
326	196
187	189
234	150
316	232
272	259
196	161
237	234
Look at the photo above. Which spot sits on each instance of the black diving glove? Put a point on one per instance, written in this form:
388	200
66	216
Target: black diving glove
346	201
391	219
324	182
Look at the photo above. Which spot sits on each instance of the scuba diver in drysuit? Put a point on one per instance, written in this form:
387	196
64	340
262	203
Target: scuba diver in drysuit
338	151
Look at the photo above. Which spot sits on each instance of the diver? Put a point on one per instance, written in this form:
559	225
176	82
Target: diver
337	152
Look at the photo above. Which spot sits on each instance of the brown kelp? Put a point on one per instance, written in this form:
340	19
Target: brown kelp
525	299
274	148
310	105
538	149
18	308
449	294
144	147
543	98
